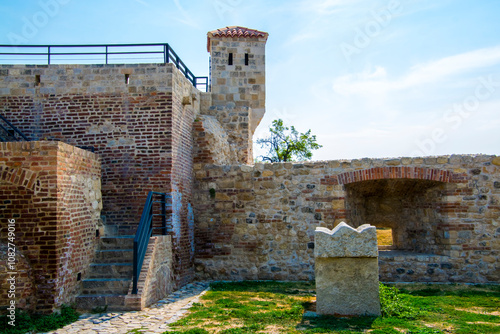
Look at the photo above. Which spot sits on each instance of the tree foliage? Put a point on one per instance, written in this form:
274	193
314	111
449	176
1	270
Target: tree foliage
287	144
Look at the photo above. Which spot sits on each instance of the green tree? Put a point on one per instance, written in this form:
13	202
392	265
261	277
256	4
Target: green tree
287	144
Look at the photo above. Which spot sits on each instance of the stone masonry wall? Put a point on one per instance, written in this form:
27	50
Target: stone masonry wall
156	279
52	191
258	222
211	142
234	121
237	84
139	119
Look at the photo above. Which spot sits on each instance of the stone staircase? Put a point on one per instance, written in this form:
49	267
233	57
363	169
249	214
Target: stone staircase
110	276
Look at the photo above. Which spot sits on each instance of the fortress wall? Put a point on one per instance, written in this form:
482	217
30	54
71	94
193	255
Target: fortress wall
258	222
138	117
53	192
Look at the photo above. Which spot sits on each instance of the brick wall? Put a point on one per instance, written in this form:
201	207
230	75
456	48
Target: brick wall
52	190
140	128
25	288
258	222
185	108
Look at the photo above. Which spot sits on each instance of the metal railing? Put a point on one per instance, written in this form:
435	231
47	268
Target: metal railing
98	54
9	132
145	231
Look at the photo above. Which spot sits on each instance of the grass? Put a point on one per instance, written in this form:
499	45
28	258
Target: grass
26	323
277	307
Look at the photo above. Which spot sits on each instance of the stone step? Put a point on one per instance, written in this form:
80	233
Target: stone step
117	242
98	286
111	270
114	256
110	275
114	302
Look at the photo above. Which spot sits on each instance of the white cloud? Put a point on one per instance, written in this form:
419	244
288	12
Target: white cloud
452	65
376	81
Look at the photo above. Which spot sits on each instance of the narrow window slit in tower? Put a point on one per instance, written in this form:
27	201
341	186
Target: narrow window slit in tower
230	61
246	59
37	80
127	79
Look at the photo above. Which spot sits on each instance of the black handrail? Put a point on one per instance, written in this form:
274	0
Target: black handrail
145	231
107	50
10	132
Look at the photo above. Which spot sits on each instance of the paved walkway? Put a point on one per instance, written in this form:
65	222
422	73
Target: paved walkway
154	319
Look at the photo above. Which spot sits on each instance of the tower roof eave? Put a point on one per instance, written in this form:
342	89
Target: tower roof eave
235	31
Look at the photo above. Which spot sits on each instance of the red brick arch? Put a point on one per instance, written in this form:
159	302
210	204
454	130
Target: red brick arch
418	173
20	177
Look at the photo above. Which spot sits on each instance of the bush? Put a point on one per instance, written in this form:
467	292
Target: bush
395	304
23	323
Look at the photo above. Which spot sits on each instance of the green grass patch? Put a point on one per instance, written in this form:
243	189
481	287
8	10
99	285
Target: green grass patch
26	322
277	307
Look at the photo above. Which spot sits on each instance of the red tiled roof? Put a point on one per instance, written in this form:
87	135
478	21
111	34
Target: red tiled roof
235	31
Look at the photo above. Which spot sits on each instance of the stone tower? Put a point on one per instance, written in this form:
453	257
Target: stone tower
237	78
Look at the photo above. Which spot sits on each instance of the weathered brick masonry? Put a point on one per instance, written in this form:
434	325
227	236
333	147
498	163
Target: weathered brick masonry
139	120
53	192
258	222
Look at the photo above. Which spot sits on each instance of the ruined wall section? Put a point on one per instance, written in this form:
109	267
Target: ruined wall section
258	222
52	191
235	123
211	142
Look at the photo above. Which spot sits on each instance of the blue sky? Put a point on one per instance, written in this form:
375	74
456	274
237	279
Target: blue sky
370	78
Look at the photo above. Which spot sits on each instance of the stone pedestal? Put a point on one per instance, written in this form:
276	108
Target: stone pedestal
347	270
